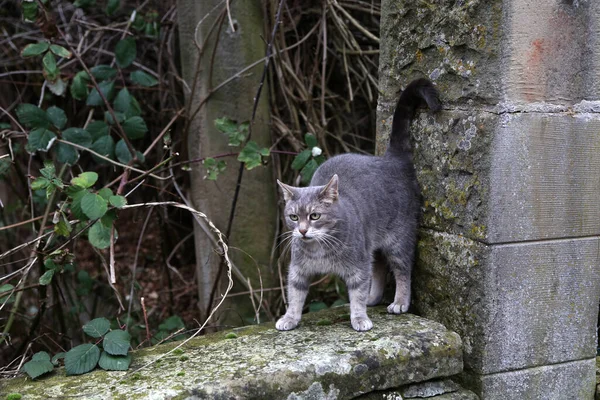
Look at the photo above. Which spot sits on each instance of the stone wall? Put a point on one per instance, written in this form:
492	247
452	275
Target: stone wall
510	172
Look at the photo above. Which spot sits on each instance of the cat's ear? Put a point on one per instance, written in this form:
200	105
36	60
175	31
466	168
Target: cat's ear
288	191
329	194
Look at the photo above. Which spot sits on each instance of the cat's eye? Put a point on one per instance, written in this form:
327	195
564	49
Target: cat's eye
293	217
315	216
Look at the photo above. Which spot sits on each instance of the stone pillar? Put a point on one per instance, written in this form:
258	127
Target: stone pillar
510	173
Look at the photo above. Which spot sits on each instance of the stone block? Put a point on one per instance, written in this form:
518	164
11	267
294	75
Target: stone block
509	177
515	305
569	381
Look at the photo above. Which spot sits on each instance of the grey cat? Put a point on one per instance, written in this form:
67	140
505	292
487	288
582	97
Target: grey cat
359	213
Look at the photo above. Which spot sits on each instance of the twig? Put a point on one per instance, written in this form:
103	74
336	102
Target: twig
148	336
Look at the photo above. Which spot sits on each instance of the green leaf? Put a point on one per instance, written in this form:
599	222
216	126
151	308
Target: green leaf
123	154
58	356
316	306
51	70
117	201
32	116
29	11
308	171
40	183
251	155
99	235
79	89
213	168
93	206
143	79
125	52
301	159
41	356
122	101
82	359
105	193
58	87
109	118
57	116
112	6
34	49
37	368
114	363
310	140
66	154
103	72
46	278
237	134
85	180
135	128
41	139
63	228
97	328
106	88
104	146
116	342
108	219
172	323
4	291
60	51
97	129
76	204
84	3
78	136
226	125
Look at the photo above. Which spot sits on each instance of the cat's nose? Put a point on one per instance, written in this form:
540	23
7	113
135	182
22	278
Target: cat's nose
303	231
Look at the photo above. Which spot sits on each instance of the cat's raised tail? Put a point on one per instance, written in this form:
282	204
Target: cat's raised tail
418	93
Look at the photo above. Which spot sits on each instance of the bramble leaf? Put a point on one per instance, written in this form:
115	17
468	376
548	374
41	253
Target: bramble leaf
82	359
114	363
97	328
34	49
116	342
143	79
93	206
99	235
125	52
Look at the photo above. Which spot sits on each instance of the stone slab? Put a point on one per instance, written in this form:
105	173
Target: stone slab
323	358
516	305
568	381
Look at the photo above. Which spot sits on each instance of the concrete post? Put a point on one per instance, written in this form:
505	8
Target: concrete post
510	173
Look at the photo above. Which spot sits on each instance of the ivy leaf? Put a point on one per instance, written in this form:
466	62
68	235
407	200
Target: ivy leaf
112	6
85	180
301	159
97	328
104	146
117	201
116	342
237	134
40	183
4	291
93	205
125	52
41	139
310	140
123	154
97	129
106	88
252	155
34	49
46	278
81	359
99	235
57	116
109	362
32	116
60	51
213	168
135	128
308	171
103	72
79	89
51	70
35	368
105	193
143	79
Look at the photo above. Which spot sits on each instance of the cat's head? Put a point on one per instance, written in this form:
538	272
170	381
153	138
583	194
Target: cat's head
311	212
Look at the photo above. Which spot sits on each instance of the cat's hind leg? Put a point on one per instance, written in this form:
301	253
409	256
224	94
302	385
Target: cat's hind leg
401	265
378	277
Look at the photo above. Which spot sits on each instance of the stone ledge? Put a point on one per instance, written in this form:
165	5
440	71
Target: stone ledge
324	357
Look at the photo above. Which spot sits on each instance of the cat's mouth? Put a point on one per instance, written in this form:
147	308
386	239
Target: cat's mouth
306	238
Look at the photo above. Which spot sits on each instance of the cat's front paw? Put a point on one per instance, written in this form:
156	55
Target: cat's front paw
396	308
286	323
361	324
